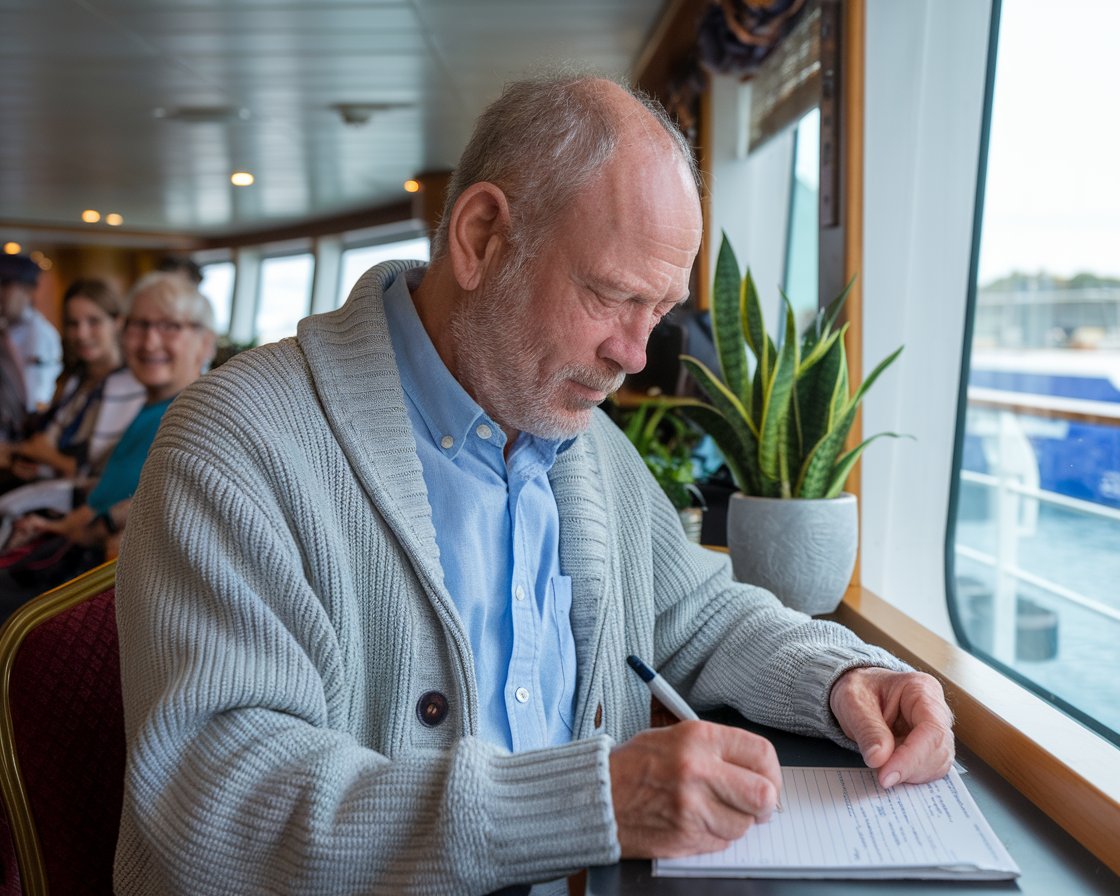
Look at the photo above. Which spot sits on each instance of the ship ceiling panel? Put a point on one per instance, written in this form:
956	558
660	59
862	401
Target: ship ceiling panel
94	88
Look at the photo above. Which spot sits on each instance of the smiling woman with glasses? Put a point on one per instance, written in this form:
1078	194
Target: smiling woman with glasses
168	342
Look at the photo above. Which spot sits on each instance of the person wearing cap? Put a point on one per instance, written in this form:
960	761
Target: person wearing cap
30	347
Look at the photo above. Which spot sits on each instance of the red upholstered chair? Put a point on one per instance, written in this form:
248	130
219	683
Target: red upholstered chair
61	740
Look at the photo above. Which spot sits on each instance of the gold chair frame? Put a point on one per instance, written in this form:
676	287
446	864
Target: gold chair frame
32	869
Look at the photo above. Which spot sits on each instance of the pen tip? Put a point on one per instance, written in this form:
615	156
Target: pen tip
644	671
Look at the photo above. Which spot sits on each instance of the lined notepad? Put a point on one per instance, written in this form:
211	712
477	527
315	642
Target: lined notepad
839	823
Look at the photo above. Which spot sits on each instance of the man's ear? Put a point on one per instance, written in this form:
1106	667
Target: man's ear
477	232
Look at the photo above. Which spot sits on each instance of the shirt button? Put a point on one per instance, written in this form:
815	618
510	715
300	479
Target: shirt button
431	708
447	443
519	593
484	431
522	695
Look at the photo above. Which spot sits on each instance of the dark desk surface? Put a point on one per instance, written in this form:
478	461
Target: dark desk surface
1052	862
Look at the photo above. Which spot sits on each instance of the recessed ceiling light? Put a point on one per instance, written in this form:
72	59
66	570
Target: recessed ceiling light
202	114
361	113
12	248
90	216
241	179
412	186
113	219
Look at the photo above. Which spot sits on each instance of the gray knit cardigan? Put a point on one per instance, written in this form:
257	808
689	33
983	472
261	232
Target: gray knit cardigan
282	610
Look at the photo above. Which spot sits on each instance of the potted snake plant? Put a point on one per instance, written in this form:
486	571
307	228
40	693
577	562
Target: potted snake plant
780	413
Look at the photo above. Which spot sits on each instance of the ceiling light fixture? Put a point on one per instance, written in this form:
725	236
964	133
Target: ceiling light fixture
241	179
202	114
412	186
91	216
113	219
360	113
12	248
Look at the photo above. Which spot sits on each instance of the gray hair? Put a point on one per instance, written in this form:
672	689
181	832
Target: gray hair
177	295
541	142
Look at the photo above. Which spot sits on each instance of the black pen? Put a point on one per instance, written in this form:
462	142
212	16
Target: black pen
662	690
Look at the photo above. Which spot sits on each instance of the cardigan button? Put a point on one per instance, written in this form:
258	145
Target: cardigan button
431	708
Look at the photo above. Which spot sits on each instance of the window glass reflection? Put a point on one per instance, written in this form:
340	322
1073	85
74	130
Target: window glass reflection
217	286
285	296
358	260
1037	527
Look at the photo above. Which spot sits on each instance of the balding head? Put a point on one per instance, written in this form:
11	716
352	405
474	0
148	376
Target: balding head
543	140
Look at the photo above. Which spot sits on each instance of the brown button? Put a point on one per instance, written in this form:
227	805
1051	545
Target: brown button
431	708
599	716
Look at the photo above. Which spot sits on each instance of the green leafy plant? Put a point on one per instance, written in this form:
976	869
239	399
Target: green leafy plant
665	442
780	421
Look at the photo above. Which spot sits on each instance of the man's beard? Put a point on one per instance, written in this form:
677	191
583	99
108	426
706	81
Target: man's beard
498	349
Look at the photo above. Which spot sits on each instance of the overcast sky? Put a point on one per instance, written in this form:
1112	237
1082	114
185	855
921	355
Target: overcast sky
1053	184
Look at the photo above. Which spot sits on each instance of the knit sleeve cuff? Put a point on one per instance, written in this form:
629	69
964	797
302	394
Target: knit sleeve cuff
552	813
820	672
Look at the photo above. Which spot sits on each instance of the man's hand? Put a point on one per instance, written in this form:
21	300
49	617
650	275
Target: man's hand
899	720
691	787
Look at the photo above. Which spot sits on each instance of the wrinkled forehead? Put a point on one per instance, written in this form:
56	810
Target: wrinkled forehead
161	304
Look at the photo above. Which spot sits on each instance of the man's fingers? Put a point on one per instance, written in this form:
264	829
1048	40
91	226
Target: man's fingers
859	711
899	721
693	787
746	776
875	741
924	754
750	794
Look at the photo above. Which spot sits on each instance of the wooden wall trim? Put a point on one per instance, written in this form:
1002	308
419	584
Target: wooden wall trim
1069	772
852	36
672	38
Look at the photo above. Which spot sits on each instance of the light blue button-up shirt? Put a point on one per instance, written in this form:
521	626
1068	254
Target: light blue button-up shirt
498	532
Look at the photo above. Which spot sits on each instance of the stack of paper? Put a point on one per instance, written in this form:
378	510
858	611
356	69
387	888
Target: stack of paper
839	823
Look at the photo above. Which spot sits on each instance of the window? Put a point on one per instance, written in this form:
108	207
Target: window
802	247
217	286
358	260
285	296
1034	543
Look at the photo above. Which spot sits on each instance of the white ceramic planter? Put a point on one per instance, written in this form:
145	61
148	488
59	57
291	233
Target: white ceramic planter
692	520
803	550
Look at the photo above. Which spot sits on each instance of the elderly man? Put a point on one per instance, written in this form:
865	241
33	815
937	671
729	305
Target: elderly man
30	347
376	605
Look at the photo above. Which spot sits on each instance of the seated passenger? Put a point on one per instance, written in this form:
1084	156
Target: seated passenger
76	432
30	348
168	341
381	579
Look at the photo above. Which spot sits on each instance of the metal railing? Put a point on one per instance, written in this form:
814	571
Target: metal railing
1017	497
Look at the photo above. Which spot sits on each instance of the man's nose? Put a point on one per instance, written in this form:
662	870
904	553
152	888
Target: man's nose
626	346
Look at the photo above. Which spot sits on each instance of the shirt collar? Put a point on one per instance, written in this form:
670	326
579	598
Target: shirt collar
446	408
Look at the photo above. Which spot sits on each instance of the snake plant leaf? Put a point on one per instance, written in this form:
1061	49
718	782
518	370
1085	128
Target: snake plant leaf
815	479
736	453
824	320
724	400
848	460
819	389
816	472
754	331
874	375
772	431
726	332
816	350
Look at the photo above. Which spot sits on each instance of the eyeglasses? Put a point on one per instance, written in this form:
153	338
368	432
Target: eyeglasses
134	326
